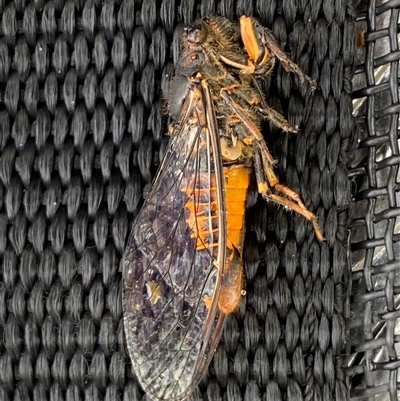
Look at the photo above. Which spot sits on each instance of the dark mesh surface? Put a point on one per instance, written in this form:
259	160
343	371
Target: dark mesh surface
373	328
80	140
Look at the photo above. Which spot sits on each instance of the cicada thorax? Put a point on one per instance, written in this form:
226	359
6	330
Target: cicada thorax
230	124
223	31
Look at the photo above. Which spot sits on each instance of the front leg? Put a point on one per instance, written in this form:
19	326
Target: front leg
261	46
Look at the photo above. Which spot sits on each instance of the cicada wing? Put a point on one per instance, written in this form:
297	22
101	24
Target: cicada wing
172	274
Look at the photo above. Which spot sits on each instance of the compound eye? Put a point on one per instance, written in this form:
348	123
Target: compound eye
197	56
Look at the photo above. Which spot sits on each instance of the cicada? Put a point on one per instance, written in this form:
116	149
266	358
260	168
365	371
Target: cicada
183	268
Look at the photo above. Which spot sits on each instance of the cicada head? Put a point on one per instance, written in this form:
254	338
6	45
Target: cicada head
190	63
195	33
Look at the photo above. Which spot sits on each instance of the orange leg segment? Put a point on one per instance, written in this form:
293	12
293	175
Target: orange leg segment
260	41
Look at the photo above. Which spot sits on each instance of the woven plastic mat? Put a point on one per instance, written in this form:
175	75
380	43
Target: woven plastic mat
373	345
81	136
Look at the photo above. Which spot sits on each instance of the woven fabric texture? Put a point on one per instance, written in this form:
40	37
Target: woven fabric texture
81	136
373	347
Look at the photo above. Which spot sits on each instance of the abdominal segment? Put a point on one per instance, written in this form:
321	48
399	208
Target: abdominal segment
201	210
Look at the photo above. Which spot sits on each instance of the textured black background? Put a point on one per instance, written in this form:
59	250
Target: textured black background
81	136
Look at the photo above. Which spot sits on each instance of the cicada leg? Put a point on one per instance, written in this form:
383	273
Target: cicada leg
261	46
266	112
266	178
277	119
256	134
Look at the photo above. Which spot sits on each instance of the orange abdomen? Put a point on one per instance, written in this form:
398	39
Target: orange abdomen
236	184
236	179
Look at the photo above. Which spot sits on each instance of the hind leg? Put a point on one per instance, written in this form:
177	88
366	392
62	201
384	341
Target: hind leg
271	189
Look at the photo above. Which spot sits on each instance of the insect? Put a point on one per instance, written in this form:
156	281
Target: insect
183	269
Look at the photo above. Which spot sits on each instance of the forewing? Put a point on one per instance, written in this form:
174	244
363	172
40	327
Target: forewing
171	263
